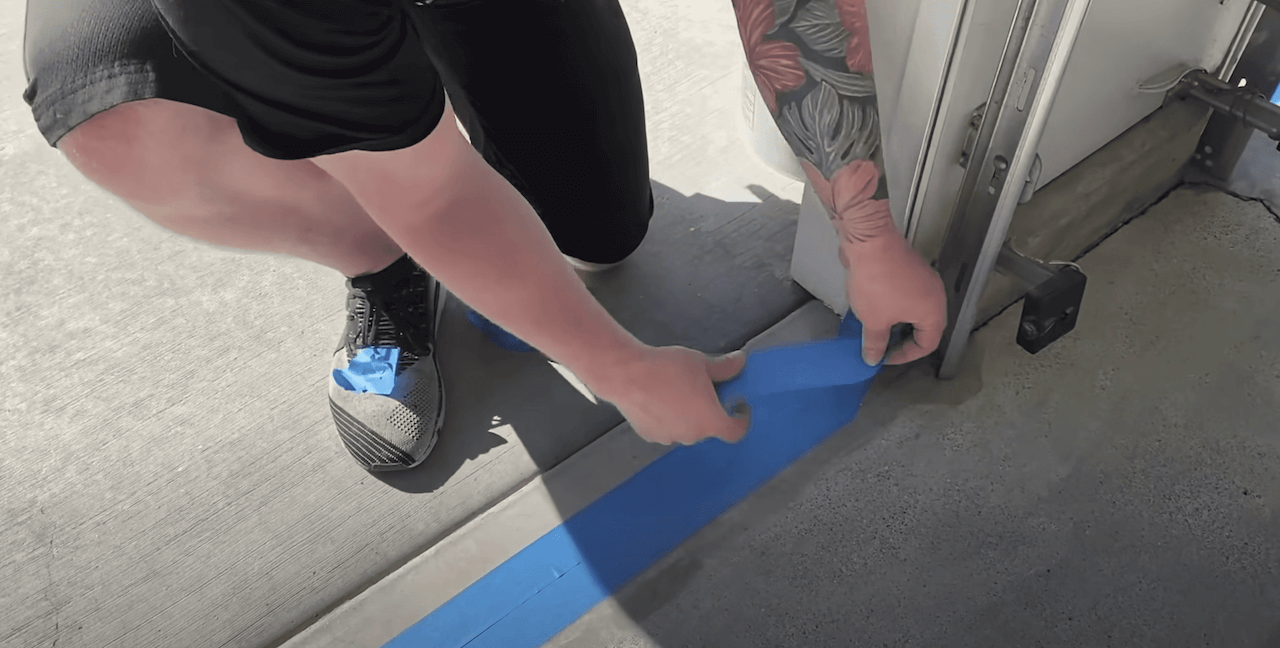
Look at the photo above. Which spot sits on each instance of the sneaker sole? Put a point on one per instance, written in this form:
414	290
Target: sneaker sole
587	266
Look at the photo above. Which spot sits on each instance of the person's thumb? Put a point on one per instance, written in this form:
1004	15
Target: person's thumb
726	367
874	344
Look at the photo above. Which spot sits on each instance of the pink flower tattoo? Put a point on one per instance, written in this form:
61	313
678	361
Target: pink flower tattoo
774	64
857	52
848	198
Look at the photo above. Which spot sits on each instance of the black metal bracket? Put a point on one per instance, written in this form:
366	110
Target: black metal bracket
1225	138
1051	307
1051	310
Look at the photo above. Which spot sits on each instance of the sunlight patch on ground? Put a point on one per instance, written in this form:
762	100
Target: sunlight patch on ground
575	382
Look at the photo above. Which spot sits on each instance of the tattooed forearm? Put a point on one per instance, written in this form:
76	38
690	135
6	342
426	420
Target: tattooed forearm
811	60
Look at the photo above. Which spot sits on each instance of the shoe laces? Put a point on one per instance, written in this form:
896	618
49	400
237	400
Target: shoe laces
400	314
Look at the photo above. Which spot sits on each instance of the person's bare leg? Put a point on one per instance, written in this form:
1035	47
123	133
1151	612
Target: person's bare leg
187	169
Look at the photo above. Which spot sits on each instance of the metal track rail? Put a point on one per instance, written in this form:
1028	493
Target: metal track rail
1001	157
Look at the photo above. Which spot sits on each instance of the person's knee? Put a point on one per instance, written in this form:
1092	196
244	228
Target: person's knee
146	152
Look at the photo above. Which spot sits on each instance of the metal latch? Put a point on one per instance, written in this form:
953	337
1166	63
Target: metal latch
971	141
1033	179
971	138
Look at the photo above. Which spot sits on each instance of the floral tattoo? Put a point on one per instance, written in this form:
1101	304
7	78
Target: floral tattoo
811	60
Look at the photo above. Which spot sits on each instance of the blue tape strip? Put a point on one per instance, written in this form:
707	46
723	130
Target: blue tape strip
373	369
799	395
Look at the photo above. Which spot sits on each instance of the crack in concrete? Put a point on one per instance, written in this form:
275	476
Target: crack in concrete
57	617
1238	196
48	572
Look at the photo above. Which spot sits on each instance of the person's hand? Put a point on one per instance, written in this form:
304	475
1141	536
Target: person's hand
888	283
668	395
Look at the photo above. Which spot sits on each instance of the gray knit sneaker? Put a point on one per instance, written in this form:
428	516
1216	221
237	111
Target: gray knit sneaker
385	390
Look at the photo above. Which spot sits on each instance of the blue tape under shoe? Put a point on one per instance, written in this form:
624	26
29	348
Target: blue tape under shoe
372	370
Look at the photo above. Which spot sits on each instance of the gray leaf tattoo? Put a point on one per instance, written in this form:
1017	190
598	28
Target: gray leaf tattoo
818	24
830	131
849	84
782	10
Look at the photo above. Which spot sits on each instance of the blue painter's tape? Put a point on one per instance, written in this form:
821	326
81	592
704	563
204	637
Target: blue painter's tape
372	370
799	395
542	616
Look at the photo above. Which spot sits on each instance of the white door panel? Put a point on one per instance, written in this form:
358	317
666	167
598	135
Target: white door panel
1123	43
973	72
908	42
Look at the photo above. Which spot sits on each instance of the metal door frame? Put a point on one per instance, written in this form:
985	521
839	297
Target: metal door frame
1035	58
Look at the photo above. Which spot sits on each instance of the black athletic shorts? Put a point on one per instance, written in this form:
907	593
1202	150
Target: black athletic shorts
548	90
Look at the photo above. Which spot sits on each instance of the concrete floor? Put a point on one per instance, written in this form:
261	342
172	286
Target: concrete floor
1257	177
1118	489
